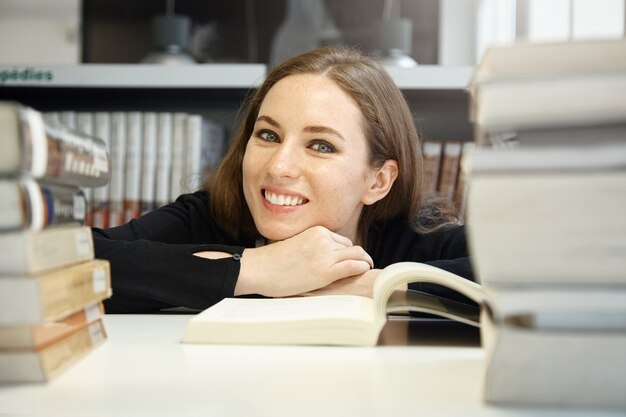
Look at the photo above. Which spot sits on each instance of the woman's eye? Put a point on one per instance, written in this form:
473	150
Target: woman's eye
323	147
268	136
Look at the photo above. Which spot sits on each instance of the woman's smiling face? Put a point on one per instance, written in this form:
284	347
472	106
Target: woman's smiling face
307	161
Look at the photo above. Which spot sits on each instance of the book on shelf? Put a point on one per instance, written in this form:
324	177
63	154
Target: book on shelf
34	251
30	204
100	208
149	163
52	295
132	174
332	319
461	189
216	142
40	149
164	158
563	346
118	169
46	363
449	169
431	151
85	125
39	335
179	121
204	149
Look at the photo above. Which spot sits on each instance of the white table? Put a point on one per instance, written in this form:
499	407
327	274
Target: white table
143	370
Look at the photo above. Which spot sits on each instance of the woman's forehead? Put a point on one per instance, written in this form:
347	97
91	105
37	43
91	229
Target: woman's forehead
311	96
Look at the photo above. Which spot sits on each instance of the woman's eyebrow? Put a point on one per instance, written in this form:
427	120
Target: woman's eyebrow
308	129
268	120
323	129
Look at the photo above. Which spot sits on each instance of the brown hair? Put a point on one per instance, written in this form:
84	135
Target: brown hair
388	126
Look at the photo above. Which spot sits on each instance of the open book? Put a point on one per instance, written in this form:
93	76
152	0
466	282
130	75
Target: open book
332	319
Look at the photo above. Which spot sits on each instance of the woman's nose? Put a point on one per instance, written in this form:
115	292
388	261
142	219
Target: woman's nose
284	162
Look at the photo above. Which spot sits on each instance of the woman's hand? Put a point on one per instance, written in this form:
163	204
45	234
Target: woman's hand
305	262
362	285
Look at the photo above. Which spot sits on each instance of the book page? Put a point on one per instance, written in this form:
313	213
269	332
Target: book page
285	309
405	272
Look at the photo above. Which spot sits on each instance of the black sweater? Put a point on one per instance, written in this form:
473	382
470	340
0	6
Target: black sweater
153	266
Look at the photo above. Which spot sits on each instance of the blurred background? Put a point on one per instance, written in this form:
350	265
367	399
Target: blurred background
427	32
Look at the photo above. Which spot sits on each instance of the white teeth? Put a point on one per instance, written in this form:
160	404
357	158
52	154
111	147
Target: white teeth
283	200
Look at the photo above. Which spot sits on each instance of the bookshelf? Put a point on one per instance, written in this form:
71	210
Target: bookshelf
437	94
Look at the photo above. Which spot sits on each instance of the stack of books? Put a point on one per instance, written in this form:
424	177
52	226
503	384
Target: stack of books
51	287
547	231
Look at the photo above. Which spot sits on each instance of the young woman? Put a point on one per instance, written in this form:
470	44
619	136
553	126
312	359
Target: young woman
320	189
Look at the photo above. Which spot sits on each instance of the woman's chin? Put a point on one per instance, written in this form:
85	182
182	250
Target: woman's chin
274	234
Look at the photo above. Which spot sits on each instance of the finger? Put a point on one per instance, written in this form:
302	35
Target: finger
354	252
348	268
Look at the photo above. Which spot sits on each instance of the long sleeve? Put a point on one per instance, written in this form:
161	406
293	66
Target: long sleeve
152	261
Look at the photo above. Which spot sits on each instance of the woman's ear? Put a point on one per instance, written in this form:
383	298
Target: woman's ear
381	181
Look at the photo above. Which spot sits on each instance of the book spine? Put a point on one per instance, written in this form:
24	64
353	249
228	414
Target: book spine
28	204
53	295
132	190
431	151
118	168
195	153
31	252
449	169
164	159
85	125
42	334
41	366
178	154
217	141
53	151
460	194
149	162
100	212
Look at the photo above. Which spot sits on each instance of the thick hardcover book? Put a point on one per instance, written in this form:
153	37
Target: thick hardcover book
45	364
36	251
53	295
42	149
549	85
550	225
332	319
558	346
37	336
28	204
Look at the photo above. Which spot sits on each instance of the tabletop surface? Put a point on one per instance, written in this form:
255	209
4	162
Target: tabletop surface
143	369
